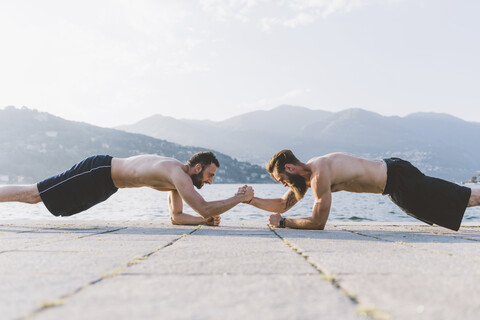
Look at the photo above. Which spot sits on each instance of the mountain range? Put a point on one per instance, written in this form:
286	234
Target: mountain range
35	145
439	144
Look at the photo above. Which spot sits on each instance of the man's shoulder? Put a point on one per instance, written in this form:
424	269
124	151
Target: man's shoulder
323	168
177	173
156	162
320	162
331	158
160	166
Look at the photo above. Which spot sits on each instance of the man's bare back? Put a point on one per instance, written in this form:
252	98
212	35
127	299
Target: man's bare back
346	172
146	171
168	174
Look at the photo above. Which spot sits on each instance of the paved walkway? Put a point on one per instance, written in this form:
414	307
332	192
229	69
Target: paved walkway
139	270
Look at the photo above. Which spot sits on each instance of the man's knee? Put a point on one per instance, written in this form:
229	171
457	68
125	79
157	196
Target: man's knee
35	199
34	195
474	198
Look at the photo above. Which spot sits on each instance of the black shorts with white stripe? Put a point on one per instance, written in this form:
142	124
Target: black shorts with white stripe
84	185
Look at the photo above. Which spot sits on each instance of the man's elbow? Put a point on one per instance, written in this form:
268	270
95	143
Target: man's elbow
204	213
283	207
174	219
317	225
207	211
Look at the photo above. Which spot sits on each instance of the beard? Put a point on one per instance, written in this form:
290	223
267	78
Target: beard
297	184
197	180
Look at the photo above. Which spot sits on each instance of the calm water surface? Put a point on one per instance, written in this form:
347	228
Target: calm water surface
148	204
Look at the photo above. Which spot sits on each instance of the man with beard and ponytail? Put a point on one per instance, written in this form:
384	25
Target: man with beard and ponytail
96	178
428	199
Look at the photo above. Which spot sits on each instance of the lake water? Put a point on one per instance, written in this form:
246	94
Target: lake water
151	205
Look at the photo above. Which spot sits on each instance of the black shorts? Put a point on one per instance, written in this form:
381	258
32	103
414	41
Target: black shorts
432	200
79	188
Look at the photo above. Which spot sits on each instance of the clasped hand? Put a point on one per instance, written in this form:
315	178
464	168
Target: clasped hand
212	221
274	220
246	192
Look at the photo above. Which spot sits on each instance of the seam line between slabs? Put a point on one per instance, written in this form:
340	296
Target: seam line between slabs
367	311
113	273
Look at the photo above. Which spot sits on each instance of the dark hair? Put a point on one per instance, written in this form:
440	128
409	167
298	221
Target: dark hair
204	158
279	160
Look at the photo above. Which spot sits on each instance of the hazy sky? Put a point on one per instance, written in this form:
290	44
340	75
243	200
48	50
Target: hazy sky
111	62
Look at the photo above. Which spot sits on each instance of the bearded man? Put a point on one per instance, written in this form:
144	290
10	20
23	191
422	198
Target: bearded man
96	178
428	199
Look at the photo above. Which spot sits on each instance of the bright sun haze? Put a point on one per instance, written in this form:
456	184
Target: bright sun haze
115	62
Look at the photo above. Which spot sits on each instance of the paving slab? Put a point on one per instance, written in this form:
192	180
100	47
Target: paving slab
229	250
407	272
46	261
208	297
233	272
241	270
418	296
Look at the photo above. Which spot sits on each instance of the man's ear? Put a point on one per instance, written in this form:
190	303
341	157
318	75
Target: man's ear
290	168
197	168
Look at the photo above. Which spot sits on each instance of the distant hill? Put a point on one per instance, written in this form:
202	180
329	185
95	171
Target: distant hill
439	144
35	145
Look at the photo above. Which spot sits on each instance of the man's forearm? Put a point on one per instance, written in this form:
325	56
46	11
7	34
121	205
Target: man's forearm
186	219
304	223
272	205
215	208
317	221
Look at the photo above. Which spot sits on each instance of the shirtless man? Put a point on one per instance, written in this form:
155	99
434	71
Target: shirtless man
95	179
431	200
